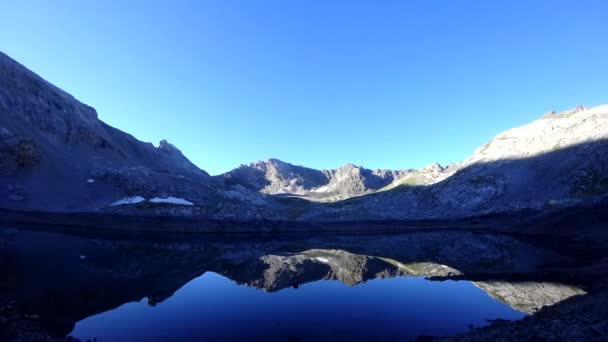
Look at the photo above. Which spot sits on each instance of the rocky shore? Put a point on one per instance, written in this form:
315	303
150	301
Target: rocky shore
580	318
16	326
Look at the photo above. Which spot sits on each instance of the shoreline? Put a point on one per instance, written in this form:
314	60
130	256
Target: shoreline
590	221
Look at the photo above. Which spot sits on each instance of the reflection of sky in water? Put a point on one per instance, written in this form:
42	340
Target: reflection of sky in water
215	308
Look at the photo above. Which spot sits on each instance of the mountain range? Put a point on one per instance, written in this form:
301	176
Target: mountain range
57	156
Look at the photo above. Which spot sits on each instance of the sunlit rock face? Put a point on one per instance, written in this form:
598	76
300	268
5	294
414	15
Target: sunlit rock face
552	132
276	177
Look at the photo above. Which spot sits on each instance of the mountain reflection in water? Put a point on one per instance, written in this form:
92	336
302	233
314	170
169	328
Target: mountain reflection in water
305	288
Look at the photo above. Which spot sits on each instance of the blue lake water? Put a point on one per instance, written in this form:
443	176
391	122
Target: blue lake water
273	288
214	308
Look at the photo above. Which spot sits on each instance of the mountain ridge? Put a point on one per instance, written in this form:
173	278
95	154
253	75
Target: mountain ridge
274	176
57	156
51	144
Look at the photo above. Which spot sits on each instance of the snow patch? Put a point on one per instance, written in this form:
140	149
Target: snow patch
172	200
129	200
323	260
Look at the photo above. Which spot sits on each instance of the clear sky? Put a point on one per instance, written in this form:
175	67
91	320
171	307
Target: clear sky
384	84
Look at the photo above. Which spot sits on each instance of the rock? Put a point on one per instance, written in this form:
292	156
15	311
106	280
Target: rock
16	153
165	146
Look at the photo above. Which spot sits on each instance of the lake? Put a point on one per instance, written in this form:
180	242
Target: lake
269	288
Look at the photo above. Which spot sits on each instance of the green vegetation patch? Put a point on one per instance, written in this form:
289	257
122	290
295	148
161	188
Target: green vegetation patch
407	181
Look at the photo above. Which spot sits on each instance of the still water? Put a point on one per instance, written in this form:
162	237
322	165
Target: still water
212	307
355	288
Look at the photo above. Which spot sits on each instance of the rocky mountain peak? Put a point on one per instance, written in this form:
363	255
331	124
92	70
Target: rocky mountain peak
434	167
165	146
275	161
349	166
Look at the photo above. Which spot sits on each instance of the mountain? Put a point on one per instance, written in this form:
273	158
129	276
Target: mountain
276	177
56	155
556	161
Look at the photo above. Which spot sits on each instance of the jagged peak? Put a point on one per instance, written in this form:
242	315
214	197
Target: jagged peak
350	166
276	161
433	167
166	146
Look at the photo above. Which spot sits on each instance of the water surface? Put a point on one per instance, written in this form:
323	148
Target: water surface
357	288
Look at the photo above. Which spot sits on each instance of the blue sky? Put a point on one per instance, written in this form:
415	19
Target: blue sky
385	84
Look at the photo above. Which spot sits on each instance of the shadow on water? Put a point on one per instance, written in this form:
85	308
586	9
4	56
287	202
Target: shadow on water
64	279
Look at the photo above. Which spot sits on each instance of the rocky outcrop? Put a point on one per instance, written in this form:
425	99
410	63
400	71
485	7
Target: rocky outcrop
352	180
16	153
